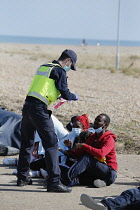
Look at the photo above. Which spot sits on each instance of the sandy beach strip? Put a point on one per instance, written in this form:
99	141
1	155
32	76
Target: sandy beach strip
100	91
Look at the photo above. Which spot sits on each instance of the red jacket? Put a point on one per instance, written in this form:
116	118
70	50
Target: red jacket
103	147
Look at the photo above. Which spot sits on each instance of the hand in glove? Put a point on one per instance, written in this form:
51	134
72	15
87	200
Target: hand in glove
76	97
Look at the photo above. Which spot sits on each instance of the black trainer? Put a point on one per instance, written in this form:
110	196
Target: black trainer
3	150
7	150
59	188
21	182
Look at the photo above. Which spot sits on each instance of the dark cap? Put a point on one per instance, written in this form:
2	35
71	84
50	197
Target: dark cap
71	54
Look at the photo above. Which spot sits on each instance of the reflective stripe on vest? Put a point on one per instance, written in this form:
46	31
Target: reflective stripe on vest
37	95
43	71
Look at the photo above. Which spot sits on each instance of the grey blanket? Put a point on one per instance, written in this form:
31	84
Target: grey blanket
10	124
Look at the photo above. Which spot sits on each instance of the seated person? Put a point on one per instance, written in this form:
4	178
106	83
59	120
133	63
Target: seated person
96	158
129	199
40	164
83	136
81	123
70	125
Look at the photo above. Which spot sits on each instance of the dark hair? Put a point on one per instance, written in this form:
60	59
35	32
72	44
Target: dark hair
69	125
84	136
107	118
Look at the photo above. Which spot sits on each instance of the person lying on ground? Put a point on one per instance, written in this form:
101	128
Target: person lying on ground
38	152
96	163
129	199
10	130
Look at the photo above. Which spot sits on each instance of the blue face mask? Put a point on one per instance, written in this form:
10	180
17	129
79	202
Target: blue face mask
67	68
92	130
76	131
99	130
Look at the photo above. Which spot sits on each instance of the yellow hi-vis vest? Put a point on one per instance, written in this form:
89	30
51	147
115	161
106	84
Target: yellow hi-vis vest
43	87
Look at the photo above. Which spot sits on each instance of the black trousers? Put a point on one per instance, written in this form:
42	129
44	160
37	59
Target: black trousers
38	164
87	169
38	117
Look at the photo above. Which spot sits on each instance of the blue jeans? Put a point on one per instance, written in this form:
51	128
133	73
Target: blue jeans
38	117
129	199
87	169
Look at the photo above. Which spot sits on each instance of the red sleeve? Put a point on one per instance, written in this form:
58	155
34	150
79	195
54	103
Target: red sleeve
77	153
105	147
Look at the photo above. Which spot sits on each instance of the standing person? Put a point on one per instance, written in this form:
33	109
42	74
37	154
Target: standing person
48	84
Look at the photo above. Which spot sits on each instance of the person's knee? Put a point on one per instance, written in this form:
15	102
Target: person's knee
70	173
112	178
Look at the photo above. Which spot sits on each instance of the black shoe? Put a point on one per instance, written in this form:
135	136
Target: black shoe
3	150
7	150
21	182
12	151
59	188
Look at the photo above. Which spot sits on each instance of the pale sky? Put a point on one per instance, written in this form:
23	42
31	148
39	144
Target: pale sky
90	19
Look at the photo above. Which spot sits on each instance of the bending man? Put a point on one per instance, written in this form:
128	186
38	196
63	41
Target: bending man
48	84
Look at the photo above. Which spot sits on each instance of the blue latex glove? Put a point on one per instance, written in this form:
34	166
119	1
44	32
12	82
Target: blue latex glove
60	97
76	97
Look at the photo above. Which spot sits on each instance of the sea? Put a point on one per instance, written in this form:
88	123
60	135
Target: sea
65	41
